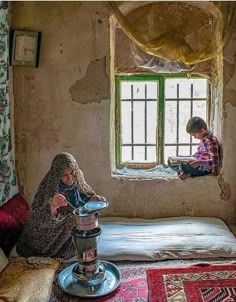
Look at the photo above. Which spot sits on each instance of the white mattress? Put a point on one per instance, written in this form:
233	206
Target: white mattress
167	238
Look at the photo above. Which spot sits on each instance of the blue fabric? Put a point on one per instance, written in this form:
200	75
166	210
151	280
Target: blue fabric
73	195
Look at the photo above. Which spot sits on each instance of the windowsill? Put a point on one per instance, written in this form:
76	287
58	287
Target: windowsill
158	172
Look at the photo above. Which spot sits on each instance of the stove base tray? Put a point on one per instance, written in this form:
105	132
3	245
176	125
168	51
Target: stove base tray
71	285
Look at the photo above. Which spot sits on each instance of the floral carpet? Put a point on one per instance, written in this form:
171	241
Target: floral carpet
196	283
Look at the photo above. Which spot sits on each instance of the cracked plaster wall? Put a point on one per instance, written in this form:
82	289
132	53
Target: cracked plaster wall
64	105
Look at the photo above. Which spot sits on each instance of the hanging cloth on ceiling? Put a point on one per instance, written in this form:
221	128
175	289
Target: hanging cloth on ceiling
156	64
187	32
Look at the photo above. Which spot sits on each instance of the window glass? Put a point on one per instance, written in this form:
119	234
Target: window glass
190	100
184	150
139	154
151	122
184	116
171	122
126	122
169	151
125	90
199	108
151	153
153	113
138	122
126	154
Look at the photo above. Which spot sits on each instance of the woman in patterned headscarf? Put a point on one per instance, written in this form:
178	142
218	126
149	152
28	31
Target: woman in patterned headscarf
47	231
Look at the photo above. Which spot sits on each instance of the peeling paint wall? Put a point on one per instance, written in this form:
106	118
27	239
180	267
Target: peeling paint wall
65	105
81	91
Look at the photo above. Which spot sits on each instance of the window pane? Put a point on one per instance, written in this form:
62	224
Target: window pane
143	91
185	88
195	94
126	154
170	122
125	92
139	154
151	154
139	124
194	149
151	122
138	90
184	116
190	90
199	109
200	88
152	88
184	150
195	140
126	122
171	88
169	151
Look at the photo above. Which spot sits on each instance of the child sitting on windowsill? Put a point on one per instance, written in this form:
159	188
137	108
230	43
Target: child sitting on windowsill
207	157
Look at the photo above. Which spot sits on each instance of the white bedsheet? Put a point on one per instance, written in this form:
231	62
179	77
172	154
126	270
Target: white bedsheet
167	238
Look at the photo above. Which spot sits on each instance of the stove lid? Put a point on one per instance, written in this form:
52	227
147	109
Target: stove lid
96	205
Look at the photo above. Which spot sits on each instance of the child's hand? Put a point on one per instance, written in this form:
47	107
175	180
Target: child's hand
97	197
195	163
58	201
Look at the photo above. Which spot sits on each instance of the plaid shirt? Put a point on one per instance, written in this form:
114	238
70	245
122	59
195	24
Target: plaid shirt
208	150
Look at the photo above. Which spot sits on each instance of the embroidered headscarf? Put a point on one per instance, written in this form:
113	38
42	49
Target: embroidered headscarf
50	183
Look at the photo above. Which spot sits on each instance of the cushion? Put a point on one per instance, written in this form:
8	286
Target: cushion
13	215
28	279
3	260
166	238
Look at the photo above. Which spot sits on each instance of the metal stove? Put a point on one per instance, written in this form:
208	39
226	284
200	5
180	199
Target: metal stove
89	277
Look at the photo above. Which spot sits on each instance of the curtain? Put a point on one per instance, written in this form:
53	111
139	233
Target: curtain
187	32
8	184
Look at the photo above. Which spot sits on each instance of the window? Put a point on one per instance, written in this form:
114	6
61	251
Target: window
151	116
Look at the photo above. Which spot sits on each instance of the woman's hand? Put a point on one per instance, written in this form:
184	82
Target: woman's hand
58	201
97	197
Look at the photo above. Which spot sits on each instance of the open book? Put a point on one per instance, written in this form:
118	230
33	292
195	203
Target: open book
180	159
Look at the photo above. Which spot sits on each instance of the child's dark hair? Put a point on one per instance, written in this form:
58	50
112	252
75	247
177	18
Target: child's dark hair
195	124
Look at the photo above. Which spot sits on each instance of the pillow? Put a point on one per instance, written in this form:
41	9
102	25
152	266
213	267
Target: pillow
13	215
3	260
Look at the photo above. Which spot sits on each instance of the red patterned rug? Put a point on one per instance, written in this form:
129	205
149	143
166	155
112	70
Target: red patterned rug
205	283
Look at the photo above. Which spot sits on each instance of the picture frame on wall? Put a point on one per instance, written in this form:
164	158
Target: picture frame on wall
25	48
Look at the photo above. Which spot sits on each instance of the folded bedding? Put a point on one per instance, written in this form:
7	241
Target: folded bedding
166	238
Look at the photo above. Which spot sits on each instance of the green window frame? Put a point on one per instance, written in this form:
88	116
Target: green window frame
160	144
